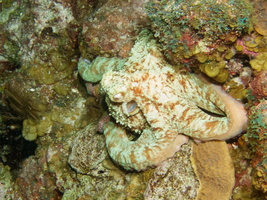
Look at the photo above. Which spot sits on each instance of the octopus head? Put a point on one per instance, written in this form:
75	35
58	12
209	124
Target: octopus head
121	101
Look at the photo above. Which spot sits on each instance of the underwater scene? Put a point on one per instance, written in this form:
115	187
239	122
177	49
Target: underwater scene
133	100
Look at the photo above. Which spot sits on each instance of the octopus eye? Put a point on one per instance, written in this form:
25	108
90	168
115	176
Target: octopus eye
118	97
132	107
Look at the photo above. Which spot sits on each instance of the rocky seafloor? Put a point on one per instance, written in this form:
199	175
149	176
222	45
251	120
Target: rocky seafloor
51	146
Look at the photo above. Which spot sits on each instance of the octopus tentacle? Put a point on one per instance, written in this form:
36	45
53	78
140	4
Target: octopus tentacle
146	151
215	115
93	71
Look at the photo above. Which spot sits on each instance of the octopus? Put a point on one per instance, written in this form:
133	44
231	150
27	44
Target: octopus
146	95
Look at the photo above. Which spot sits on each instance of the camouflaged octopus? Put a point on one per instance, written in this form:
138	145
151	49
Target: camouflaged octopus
146	95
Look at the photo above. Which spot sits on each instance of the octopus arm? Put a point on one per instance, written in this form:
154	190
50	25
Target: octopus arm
235	112
93	71
206	99
145	152
204	124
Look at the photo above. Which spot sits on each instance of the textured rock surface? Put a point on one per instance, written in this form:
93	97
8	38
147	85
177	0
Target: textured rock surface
88	152
174	179
113	27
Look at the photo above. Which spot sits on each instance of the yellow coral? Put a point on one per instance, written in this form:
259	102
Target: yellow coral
215	70
212	69
236	89
201	57
33	128
259	180
222	76
230	53
260	62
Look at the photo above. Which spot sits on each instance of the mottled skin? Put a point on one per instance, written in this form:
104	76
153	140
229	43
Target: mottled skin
149	97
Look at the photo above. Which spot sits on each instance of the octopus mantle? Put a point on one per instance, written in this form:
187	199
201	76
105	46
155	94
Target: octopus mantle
146	95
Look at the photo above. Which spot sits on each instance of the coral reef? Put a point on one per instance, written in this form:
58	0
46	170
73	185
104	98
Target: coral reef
28	103
259	63
221	18
97	177
250	150
49	169
187	28
209	40
33	172
86	155
44	91
6	182
261	8
51	141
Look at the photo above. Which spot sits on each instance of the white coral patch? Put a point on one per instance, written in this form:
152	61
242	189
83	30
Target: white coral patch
49	13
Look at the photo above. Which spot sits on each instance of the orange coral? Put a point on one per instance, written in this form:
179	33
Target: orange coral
214	168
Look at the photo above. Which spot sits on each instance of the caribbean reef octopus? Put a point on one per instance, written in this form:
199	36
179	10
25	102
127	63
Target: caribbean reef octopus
146	95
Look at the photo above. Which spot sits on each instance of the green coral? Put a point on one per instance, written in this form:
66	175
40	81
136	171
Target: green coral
189	27
7	8
212	69
257	136
6	184
33	128
257	126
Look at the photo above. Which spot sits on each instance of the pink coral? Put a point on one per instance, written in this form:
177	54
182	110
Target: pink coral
245	49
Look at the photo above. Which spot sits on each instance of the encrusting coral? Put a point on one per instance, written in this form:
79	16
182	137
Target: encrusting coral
259	85
88	159
112	28
149	97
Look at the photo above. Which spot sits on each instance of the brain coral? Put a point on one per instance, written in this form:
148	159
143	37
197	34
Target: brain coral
213	166
85	158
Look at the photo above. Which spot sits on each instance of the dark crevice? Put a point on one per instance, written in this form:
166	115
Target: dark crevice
13	147
212	113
